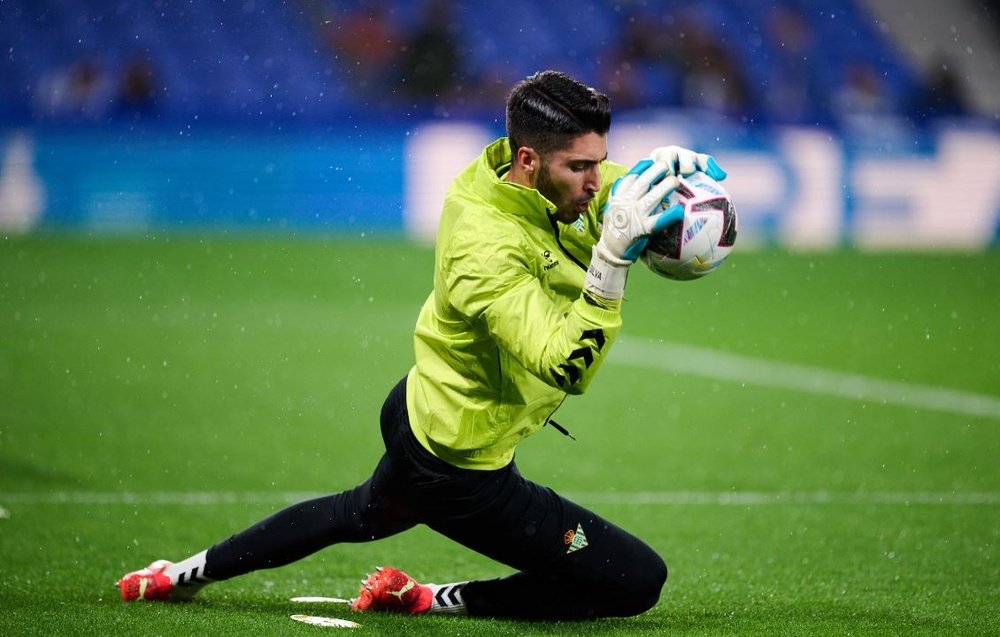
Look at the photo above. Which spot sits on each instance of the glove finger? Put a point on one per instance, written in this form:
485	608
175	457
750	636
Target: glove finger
627	185
640	167
623	183
668	155
667	218
708	165
687	162
653	174
634	250
650	200
655	223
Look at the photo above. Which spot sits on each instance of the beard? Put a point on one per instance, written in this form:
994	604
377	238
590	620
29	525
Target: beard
565	210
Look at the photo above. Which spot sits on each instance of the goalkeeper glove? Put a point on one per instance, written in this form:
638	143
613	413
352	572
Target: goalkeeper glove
684	162
630	216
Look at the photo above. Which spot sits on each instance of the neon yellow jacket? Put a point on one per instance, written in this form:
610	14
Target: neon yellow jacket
506	332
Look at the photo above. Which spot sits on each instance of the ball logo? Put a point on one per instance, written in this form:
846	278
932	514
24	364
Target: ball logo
694	228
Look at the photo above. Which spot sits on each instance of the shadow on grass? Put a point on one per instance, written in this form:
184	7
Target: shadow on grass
269	615
649	624
20	474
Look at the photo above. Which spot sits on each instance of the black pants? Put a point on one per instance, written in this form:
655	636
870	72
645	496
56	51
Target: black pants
497	513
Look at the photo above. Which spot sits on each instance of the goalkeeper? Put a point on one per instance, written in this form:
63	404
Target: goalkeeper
534	245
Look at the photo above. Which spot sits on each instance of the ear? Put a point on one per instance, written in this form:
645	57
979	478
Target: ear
527	162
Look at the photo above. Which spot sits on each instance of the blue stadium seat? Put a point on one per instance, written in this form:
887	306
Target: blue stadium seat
238	61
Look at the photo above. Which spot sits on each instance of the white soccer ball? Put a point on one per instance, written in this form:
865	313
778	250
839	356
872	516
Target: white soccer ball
701	242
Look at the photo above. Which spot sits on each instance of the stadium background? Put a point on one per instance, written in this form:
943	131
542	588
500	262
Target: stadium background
350	117
208	281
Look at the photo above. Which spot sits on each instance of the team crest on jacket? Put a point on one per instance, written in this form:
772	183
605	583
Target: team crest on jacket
576	540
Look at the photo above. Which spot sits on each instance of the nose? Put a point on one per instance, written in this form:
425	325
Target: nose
593	182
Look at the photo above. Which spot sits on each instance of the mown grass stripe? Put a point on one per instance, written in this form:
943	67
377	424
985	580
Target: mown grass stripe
629	498
709	363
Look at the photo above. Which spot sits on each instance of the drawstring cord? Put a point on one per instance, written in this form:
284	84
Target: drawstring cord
560	428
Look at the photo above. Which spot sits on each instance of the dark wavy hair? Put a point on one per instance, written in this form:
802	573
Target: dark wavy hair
548	109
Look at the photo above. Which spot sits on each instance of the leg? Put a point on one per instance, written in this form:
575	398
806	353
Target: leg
573	564
356	515
367	512
371	511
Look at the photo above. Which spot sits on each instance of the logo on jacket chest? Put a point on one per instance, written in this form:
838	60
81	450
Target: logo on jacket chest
549	261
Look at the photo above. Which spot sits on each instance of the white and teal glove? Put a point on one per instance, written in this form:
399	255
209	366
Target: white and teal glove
632	213
684	162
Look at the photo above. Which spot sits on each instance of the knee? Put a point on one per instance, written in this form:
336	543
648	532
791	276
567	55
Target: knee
643	586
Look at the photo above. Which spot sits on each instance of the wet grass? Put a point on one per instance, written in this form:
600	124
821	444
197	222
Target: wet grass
160	394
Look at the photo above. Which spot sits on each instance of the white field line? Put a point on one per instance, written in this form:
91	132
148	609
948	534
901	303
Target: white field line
760	498
709	363
627	498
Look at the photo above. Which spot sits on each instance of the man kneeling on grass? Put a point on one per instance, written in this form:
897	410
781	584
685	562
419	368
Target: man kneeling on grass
534	246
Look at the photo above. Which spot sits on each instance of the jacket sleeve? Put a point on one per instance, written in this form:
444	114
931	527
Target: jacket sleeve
491	282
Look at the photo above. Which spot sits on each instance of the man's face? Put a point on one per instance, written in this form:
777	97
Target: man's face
571	177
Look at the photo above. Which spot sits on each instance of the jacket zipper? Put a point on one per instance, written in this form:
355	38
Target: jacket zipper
555	228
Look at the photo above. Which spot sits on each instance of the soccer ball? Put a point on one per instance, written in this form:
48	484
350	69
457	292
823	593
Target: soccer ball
702	241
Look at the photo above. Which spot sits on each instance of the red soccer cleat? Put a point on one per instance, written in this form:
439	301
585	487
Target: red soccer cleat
391	590
148	583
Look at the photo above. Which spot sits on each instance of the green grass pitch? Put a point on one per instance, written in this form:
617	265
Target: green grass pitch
159	394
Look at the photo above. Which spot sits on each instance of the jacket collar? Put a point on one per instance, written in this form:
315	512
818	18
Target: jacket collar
494	164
